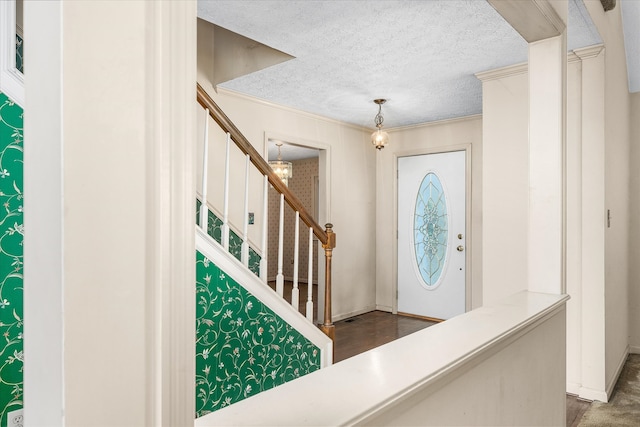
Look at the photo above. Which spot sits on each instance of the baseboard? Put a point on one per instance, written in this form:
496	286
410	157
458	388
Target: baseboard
573	388
338	317
634	349
614	380
386	308
590	394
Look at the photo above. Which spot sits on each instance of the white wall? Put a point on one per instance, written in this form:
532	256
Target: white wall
634	247
617	150
349	207
505	182
421	139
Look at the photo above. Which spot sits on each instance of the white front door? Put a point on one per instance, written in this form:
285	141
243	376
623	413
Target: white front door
432	234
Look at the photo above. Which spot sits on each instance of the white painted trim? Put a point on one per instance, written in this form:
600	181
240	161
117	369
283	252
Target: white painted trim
171	161
249	281
436	123
11	79
44	279
573	389
614	379
499	73
386	308
591	394
634	349
589	52
367	309
233	93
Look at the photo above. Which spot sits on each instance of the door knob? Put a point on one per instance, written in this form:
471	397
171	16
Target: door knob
460	248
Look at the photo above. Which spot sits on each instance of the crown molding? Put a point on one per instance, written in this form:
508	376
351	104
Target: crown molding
589	52
436	123
235	94
498	73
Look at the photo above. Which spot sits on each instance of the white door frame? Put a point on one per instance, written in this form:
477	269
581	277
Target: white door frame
468	239
324	201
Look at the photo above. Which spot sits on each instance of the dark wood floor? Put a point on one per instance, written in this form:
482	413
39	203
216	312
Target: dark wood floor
370	330
575	410
361	333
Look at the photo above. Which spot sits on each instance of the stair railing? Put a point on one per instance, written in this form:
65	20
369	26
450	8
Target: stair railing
327	237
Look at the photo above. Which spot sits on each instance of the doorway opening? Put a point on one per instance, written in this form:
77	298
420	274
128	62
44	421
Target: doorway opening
309	182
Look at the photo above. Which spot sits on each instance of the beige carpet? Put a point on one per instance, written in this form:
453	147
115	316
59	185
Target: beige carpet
624	407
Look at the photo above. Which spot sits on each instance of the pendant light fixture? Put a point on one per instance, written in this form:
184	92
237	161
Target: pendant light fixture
379	138
283	169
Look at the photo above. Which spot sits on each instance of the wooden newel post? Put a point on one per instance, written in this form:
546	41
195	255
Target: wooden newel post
327	327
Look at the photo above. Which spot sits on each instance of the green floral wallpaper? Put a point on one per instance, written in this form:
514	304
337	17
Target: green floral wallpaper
242	347
11	257
19	54
214	229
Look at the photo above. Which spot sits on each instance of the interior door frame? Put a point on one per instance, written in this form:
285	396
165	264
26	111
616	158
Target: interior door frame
324	201
468	210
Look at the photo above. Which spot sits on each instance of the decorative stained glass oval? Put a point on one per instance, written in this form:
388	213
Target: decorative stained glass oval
430	230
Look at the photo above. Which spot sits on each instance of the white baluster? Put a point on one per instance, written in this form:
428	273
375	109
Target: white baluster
245	238
310	279
295	292
265	228
280	276
204	217
225	212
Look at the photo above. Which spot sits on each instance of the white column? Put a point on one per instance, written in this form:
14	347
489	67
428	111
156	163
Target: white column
280	275
265	228
245	230
309	310
295	292
204	209
593	224
547	143
225	207
109	245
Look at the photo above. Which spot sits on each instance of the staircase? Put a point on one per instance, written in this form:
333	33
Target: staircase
248	337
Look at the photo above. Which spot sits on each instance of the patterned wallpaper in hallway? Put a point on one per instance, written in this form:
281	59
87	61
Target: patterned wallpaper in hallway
301	184
11	257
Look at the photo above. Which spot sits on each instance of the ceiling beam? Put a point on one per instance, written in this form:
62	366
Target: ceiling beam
534	20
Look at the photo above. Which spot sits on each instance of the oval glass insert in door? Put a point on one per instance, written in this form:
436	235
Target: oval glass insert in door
430	230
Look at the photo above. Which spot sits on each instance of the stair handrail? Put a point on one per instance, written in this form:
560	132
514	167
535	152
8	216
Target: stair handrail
327	237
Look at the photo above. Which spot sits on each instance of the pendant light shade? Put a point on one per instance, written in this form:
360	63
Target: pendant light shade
283	169
379	138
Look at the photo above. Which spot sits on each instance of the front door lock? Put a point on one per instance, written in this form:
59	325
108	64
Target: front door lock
460	248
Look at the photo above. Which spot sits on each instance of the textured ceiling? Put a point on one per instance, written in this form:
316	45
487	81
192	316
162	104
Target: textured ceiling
420	55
